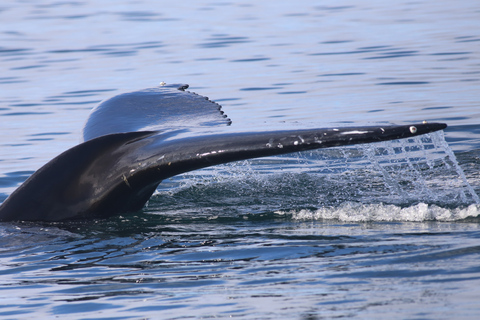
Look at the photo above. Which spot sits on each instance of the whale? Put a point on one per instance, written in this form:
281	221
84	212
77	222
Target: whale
135	140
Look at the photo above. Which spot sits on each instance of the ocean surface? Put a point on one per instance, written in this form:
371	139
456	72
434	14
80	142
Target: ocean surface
388	230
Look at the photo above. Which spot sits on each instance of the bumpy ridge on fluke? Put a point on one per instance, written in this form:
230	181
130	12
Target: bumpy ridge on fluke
162	108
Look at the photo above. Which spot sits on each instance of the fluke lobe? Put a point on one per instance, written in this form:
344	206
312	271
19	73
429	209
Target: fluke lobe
135	140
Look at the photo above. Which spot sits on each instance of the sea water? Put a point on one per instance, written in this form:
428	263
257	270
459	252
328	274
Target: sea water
388	230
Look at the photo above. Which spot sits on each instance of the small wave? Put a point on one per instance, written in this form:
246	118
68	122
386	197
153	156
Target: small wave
358	212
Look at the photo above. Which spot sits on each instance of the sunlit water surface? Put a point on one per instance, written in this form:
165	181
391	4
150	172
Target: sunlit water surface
389	230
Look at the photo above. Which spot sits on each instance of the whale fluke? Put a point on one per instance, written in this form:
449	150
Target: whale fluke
135	140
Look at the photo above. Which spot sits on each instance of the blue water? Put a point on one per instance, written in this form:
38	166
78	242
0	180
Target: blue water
385	231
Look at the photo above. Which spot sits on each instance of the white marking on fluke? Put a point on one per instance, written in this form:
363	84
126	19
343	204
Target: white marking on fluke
270	143
126	181
413	129
354	132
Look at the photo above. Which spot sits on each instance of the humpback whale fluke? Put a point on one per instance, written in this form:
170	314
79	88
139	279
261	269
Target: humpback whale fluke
135	140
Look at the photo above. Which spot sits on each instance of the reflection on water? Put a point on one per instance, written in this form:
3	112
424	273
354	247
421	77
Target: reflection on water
238	267
330	241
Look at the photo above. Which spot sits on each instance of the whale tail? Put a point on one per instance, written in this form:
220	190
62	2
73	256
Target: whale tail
119	172
128	151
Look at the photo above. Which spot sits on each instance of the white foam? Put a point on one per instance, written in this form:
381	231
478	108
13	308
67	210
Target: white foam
358	212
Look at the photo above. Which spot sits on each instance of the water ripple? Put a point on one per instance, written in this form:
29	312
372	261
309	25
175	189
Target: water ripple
232	242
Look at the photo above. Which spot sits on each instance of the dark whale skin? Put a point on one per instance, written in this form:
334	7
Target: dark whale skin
135	140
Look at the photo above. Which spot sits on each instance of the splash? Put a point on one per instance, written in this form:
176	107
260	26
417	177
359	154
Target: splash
426	183
415	179
422	168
